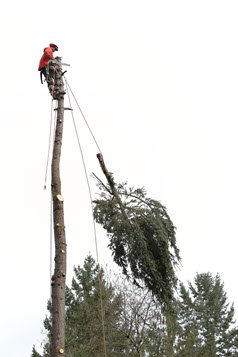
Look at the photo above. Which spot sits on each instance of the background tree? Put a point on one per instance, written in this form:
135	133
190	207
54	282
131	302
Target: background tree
83	313
83	332
199	324
134	323
143	322
140	318
206	320
35	353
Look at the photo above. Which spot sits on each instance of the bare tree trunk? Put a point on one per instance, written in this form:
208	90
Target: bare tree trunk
58	279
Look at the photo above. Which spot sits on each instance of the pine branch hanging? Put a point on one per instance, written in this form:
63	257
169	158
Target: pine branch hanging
141	234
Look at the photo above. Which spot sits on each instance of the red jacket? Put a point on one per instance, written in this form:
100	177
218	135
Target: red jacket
48	54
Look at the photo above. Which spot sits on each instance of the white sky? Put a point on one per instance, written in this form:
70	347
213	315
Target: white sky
158	84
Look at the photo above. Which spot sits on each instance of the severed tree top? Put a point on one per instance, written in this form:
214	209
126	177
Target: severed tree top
142	237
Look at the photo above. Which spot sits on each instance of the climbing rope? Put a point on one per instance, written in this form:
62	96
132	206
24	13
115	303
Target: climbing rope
51	118
51	226
91	200
51	242
46	172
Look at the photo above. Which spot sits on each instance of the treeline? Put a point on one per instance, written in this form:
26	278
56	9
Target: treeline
199	323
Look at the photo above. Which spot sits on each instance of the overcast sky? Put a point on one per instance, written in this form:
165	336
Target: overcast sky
158	84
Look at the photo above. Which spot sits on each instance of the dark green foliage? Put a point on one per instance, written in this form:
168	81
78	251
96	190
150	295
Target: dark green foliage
35	353
142	238
206	319
84	332
135	324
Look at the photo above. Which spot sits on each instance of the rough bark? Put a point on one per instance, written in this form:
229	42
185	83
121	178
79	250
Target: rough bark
59	276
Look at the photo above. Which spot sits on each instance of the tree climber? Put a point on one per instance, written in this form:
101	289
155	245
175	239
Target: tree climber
52	73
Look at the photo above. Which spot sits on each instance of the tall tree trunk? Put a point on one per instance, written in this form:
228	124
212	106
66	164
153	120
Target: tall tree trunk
59	277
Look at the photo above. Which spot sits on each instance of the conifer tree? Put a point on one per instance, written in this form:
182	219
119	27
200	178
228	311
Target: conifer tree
35	353
202	323
206	319
83	313
83	333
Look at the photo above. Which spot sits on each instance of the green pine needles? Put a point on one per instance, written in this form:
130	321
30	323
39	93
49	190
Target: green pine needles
142	238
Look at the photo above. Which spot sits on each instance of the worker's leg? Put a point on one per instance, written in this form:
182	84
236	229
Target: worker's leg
43	71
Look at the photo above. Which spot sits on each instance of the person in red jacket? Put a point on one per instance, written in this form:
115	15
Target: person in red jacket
47	55
52	73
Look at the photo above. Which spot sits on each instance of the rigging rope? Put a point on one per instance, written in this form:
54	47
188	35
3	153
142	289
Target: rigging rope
68	86
51	242
51	116
51	226
91	201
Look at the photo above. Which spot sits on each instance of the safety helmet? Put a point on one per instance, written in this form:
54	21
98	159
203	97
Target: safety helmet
54	46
